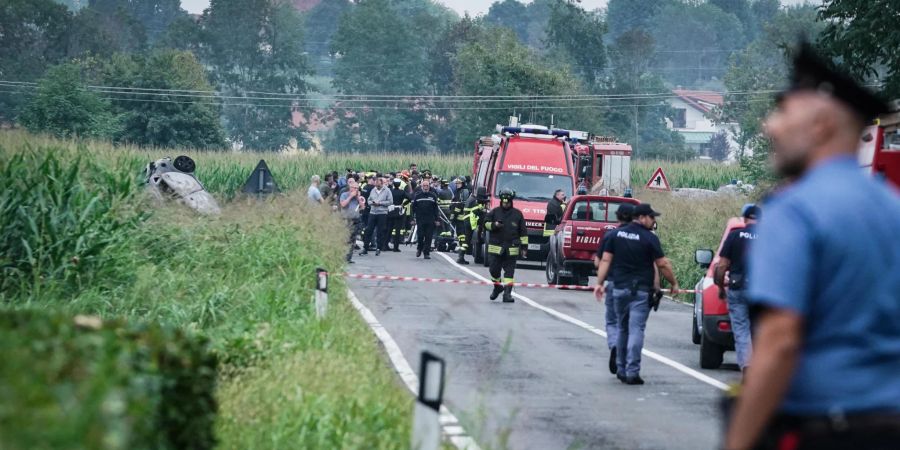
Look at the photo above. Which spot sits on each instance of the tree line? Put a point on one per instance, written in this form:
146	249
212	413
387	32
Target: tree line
408	75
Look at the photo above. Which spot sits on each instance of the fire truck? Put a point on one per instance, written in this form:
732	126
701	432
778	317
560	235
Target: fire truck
879	149
535	161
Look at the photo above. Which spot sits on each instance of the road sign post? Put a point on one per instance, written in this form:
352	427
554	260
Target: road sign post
426	419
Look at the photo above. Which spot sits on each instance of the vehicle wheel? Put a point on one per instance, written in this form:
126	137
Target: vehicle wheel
557	265
695	332
711	354
484	249
477	251
550	270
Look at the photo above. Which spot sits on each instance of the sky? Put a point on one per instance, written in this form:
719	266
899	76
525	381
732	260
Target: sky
474	7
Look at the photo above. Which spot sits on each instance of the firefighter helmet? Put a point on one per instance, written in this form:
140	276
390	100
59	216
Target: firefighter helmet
507	194
481	194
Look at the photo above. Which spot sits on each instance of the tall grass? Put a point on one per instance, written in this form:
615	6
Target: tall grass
244	279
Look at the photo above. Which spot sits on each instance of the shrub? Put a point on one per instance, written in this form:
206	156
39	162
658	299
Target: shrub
83	383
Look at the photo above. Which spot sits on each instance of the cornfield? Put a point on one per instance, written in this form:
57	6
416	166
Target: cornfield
223	173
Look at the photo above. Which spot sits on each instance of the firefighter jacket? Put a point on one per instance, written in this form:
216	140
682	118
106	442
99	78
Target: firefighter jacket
555	211
425	207
457	204
511	235
473	211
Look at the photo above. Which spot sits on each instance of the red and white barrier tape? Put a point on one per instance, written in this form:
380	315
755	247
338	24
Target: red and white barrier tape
573	287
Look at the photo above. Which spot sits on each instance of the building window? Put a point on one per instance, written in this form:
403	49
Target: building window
679	118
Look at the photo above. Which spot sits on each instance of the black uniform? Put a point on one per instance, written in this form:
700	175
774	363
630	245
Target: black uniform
396	217
555	211
425	210
460	219
735	249
507	235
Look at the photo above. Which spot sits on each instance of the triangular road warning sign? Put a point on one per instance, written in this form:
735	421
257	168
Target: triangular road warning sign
260	181
658	181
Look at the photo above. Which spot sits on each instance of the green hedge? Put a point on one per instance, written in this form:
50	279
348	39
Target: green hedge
78	382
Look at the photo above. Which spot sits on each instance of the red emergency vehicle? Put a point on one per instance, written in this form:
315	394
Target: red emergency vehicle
879	149
533	161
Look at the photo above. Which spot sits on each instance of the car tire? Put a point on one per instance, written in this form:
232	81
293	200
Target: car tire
695	331
711	354
550	271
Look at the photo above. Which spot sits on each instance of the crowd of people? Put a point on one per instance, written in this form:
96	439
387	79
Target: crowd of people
388	209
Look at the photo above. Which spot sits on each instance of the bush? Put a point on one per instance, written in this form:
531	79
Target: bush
83	383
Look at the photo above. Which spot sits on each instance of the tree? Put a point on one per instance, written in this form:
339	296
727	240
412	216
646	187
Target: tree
103	33
150	118
579	34
382	48
863	34
32	37
528	21
626	15
254	46
705	36
65	108
741	9
500	65
719	146
155	16
321	24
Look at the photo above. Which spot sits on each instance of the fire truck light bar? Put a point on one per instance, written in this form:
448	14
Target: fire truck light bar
518	130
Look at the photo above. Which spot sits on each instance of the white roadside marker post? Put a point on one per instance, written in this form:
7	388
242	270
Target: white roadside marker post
321	295
426	418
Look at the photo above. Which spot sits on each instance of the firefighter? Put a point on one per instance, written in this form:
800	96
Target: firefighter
425	210
396	214
556	207
460	218
508	240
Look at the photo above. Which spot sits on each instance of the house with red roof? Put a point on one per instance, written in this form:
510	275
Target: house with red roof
693	117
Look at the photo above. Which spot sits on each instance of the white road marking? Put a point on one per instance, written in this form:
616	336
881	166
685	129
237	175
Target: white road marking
449	422
564	317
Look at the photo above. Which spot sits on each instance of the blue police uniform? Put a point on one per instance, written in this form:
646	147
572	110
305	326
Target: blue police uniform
635	250
828	249
735	249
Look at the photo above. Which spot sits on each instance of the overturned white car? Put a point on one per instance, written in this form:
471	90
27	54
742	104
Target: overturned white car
175	180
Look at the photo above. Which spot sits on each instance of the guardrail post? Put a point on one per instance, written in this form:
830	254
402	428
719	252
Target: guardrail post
426	419
321	295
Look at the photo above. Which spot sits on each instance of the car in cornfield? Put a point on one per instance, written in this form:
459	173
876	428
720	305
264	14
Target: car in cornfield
711	326
575	240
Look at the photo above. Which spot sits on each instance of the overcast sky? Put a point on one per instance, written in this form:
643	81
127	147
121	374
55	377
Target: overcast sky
474	7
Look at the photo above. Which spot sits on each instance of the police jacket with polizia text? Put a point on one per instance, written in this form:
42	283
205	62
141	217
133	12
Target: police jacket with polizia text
635	250
425	206
735	249
511	233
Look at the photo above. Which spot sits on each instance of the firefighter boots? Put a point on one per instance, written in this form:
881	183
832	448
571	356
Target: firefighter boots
507	294
498	289
461	260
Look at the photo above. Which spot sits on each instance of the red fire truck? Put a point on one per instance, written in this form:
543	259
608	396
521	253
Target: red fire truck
879	150
532	160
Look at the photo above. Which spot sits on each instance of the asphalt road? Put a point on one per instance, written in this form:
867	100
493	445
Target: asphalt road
530	375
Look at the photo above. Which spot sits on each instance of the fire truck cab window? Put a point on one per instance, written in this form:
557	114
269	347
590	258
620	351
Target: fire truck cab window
580	211
598	212
535	187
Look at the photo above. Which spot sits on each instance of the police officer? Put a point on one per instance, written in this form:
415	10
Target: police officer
630	256
732	259
508	239
396	215
624	216
425	211
825	272
556	207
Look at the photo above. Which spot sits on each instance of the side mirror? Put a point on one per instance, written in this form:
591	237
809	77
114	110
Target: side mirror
704	257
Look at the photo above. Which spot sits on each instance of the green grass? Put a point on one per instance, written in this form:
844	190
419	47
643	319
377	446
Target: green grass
244	279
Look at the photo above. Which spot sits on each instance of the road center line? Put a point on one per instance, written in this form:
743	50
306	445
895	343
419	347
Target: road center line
581	324
450	424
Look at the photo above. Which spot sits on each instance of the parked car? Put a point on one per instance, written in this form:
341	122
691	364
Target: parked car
575	240
711	327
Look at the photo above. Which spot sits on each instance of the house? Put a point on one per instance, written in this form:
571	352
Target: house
692	117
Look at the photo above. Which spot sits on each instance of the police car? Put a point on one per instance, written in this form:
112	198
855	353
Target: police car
711	327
